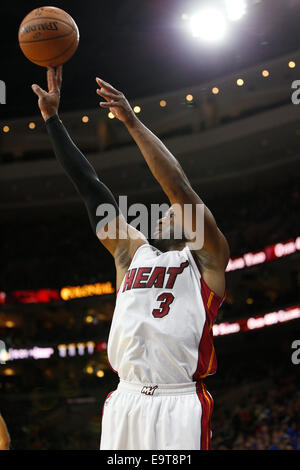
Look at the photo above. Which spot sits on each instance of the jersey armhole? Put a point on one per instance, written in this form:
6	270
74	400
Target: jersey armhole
133	257
214	301
134	254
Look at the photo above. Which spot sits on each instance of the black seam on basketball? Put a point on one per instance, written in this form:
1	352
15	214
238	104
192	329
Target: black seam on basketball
52	58
48	18
48	39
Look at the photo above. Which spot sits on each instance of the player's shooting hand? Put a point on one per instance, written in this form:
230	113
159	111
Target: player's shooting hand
115	102
49	101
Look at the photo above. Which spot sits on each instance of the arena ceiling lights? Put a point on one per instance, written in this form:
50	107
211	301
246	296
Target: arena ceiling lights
208	25
211	22
235	9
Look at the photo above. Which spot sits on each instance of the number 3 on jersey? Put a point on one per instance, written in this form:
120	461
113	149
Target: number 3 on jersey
165	300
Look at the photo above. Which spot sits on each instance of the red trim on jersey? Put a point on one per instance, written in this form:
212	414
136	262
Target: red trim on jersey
207	408
216	300
207	361
212	301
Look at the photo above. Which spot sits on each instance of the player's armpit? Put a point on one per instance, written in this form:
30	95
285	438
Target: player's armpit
215	251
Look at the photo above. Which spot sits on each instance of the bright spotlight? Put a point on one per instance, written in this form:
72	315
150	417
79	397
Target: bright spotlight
235	9
209	25
189	98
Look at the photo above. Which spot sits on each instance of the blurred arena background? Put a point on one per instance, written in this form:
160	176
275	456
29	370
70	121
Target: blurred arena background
225	110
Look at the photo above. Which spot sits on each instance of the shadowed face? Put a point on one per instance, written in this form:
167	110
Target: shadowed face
168	234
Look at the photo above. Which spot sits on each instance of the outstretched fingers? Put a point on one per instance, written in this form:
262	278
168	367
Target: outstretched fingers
107	86
106	95
110	104
38	90
51	79
58	76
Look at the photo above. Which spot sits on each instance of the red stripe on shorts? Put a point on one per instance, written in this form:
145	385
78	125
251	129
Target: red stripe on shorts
207	408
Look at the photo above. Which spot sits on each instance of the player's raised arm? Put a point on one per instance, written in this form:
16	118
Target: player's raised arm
169	174
109	225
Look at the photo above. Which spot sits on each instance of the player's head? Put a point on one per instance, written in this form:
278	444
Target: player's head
169	234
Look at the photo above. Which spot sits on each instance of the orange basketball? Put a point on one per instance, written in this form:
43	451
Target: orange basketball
48	36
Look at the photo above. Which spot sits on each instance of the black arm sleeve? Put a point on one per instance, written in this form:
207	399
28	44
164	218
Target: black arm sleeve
79	170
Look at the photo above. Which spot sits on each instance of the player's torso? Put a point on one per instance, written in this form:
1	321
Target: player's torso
159	318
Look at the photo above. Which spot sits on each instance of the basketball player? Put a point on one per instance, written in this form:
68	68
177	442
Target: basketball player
160	342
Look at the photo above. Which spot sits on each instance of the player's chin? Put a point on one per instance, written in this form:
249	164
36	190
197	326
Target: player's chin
160	243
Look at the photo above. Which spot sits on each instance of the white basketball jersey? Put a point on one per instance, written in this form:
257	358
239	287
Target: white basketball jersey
161	332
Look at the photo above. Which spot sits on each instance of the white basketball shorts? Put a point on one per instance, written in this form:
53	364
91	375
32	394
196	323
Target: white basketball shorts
157	417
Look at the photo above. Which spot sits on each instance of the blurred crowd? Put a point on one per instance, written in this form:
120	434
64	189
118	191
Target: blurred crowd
265	419
259	218
256	402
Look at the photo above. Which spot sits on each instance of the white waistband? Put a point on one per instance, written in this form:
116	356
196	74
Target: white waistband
157	389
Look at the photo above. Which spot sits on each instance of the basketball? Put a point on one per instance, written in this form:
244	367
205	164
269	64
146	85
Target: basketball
48	36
